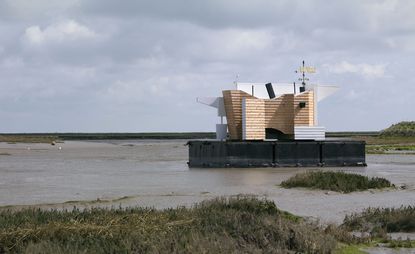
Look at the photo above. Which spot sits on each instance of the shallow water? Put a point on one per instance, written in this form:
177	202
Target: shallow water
155	173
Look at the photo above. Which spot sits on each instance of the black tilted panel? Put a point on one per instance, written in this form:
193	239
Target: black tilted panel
270	90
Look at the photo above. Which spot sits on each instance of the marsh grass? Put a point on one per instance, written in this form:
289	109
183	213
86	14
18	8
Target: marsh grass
234	225
379	221
397	148
335	181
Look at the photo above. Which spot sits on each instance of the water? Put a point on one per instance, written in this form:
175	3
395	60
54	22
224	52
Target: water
155	173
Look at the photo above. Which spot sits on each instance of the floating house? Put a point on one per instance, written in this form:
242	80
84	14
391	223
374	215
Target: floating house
273	124
259	111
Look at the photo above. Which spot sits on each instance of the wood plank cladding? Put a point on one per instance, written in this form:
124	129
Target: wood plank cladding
281	113
233	108
254	113
304	116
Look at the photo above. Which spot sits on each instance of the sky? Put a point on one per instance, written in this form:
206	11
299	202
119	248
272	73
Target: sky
138	66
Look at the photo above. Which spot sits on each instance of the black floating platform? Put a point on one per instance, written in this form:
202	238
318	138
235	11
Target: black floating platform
236	154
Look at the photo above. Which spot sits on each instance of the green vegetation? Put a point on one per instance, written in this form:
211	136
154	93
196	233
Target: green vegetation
388	144
399	138
402	129
335	181
383	145
383	149
378	221
240	224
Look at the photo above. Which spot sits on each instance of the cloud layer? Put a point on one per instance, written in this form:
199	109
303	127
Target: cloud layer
138	66
64	31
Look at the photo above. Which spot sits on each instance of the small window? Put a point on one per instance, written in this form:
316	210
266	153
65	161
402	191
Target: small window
302	104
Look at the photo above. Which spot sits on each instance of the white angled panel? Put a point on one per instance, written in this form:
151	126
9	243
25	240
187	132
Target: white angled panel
215	102
210	101
221	107
309	133
325	91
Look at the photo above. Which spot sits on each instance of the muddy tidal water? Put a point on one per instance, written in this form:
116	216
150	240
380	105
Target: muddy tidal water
154	173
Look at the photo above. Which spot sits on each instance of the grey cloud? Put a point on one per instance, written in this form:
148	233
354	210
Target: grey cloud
304	16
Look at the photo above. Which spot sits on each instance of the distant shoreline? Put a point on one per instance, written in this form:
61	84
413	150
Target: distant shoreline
107	136
151	135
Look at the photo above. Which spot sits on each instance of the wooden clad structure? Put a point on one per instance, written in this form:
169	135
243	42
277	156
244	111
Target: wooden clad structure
248	116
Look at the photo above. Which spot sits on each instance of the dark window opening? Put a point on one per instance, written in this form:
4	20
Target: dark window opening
271	133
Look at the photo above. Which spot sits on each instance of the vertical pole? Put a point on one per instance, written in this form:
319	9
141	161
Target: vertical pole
315	97
303	73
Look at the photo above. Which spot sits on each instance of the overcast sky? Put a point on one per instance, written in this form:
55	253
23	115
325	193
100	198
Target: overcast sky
137	66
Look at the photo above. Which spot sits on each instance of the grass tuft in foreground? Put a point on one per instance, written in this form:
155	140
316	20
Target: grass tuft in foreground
379	221
335	181
234	225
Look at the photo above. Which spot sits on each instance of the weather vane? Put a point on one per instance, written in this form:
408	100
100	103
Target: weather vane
303	70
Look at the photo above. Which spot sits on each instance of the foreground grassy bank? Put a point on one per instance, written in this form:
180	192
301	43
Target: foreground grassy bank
335	181
220	226
234	225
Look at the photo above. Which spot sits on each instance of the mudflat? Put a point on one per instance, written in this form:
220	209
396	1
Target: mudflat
154	173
